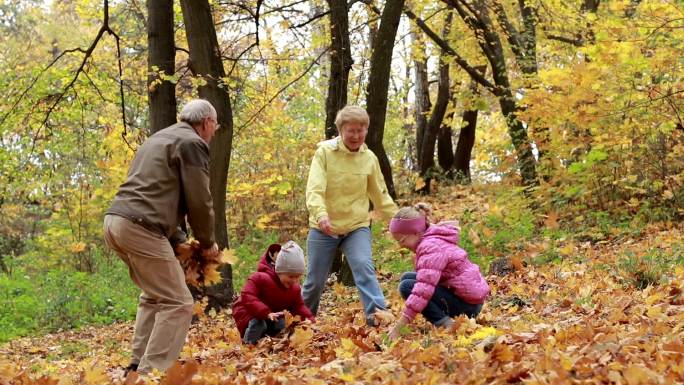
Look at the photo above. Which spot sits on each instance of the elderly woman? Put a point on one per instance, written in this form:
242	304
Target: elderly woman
344	175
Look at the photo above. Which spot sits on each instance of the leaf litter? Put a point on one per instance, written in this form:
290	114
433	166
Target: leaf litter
572	322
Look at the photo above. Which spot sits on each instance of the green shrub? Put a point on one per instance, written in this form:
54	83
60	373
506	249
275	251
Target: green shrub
249	252
32	303
650	269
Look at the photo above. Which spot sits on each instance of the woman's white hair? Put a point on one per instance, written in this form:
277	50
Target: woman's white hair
351	114
196	110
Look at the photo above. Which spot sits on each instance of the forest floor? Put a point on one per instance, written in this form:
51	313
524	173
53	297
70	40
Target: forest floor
581	320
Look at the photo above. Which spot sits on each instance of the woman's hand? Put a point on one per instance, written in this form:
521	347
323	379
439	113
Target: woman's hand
325	225
396	330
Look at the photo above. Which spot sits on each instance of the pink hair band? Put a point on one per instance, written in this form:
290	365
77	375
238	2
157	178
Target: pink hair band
408	226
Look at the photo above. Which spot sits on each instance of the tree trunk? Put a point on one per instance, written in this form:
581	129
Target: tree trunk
490	43
466	139
161	60
378	84
340	64
427	159
427	162
445	147
421	91
205	61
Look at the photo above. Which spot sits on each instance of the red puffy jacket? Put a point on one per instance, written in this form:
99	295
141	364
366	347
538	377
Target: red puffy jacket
263	293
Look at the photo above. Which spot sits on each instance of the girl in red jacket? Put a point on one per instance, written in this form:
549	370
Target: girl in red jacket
446	283
272	289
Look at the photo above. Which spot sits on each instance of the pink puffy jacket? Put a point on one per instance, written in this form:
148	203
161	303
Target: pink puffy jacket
439	261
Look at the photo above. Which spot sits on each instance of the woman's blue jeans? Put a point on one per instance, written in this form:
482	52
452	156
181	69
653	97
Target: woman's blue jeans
356	247
442	306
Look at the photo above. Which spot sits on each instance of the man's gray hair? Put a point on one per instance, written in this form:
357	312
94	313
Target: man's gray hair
196	110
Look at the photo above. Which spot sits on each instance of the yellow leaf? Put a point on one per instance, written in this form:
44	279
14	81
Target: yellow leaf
211	275
636	375
420	184
502	353
552	220
654	312
347	349
228	256
95	376
567	250
78	247
346	377
301	337
487	232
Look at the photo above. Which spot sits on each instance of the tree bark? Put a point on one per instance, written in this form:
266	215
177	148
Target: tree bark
427	161
340	64
427	151
421	92
161	60
445	147
378	85
477	18
205	61
466	139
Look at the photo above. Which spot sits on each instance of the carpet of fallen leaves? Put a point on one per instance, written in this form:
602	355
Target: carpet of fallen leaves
574	322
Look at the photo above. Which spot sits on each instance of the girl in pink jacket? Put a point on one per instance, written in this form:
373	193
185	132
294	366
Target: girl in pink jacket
445	284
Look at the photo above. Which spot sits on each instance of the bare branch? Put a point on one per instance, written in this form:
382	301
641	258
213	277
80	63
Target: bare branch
578	42
33	82
280	91
81	69
474	73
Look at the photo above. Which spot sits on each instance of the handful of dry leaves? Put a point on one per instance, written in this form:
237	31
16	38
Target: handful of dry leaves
200	270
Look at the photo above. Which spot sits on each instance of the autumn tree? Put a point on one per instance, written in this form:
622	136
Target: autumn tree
206	63
340	64
378	85
161	64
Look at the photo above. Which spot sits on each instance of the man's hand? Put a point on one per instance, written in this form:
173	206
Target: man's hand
325	225
275	316
211	252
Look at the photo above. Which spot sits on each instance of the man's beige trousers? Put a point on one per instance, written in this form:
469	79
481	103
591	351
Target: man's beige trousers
165	307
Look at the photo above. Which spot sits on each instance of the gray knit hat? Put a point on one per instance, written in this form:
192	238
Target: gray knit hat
290	259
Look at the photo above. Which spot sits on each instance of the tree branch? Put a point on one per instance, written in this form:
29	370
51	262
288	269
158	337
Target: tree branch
578	42
280	91
81	69
474	74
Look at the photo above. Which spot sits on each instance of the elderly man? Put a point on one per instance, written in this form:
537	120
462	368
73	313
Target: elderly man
167	180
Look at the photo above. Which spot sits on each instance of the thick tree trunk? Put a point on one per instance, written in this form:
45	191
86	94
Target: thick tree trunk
161	60
445	147
490	43
205	61
378	85
340	64
466	139
427	161
464	148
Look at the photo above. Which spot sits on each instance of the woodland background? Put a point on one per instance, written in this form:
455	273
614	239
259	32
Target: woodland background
546	127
